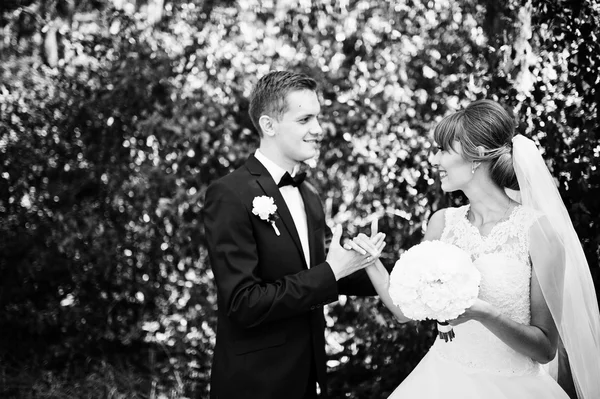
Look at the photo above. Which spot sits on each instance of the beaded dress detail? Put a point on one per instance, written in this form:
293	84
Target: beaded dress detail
502	258
476	364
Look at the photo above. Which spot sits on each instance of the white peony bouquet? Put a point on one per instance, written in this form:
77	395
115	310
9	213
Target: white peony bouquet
434	280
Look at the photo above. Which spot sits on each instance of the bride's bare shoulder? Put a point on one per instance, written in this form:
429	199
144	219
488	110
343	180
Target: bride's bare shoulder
435	225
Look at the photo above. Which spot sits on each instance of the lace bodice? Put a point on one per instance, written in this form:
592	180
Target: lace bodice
502	258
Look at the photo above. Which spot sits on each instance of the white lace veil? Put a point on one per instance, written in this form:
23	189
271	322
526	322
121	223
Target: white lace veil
568	291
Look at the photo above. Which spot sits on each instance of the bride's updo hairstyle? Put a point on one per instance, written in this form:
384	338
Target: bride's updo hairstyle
484	124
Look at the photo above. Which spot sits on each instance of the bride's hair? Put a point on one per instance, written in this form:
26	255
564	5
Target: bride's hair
482	124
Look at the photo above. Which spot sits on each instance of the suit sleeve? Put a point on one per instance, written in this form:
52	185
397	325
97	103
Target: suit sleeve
248	299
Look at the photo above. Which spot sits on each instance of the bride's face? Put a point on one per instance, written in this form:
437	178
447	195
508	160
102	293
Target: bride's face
454	171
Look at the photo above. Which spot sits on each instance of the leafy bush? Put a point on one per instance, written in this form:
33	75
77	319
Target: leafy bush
115	116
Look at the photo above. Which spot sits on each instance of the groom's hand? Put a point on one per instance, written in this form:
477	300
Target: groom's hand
344	262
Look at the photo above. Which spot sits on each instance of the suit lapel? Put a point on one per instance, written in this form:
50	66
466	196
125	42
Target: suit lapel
266	182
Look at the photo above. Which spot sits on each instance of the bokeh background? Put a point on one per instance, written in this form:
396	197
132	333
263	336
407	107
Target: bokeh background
115	115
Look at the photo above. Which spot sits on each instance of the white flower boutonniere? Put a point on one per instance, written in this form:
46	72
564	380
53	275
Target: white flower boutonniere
264	207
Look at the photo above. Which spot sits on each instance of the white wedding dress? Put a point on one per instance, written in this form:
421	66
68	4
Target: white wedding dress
476	364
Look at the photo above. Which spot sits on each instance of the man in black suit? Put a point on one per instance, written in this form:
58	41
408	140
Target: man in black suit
266	235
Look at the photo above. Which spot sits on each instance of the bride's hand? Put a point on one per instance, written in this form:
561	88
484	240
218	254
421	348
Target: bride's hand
477	311
372	245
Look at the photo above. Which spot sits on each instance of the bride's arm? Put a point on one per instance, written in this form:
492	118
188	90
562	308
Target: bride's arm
380	277
539	340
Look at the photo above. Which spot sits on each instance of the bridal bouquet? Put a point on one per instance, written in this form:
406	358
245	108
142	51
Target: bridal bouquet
434	280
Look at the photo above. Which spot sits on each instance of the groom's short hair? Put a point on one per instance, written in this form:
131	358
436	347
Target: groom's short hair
269	94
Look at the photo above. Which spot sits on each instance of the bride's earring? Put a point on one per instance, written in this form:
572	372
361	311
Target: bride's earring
473	167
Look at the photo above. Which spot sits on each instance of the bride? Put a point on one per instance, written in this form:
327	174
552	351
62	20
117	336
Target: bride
536	292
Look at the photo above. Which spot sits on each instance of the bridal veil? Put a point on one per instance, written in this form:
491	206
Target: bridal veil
568	290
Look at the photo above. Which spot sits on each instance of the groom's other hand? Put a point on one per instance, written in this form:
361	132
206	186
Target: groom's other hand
343	262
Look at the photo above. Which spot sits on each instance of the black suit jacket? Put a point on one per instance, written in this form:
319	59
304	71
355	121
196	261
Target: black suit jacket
270	317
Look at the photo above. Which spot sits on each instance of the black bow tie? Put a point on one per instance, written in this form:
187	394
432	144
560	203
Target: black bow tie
288	180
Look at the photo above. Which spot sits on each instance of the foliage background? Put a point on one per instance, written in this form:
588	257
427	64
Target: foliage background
115	115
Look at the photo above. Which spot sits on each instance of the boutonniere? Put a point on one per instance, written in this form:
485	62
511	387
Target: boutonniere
264	207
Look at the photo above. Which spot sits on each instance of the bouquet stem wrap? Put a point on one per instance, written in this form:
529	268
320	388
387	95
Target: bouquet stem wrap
445	331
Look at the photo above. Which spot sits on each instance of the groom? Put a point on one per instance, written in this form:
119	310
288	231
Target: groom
266	234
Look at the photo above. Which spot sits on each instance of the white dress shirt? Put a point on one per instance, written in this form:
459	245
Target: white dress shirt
293	200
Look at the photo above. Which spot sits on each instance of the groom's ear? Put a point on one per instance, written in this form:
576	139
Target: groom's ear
267	125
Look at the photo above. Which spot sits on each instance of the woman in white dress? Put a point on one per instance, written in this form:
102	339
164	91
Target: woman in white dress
536	291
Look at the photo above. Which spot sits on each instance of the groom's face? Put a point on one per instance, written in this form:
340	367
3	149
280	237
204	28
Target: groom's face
298	133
